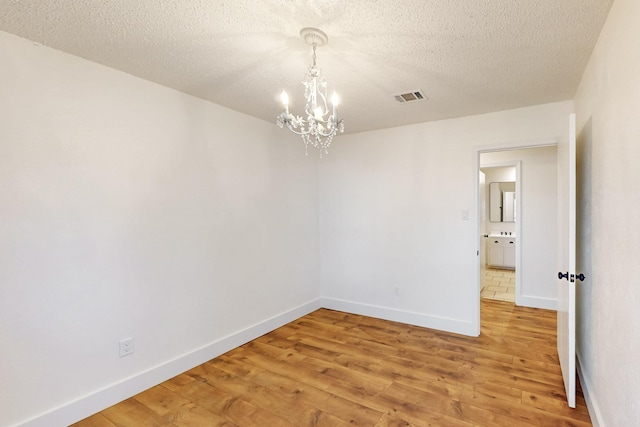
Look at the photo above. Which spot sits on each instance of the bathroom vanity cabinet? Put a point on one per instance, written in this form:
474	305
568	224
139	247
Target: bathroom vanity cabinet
501	251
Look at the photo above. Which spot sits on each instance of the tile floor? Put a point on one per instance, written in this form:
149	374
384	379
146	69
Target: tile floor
499	284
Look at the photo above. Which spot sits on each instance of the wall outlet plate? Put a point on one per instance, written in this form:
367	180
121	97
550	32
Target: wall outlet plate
126	347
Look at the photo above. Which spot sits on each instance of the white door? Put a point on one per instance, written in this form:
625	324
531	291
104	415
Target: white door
567	261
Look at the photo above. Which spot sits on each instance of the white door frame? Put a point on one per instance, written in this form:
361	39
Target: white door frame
514	145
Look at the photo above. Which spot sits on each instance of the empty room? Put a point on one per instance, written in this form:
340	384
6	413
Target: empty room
319	213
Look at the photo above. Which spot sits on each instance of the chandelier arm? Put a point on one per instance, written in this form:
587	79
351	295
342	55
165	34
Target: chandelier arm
301	133
324	102
333	130
331	133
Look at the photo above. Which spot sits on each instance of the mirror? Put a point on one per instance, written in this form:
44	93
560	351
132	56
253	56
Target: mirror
502	202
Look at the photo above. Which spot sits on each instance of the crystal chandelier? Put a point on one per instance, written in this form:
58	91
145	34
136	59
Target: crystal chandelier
321	123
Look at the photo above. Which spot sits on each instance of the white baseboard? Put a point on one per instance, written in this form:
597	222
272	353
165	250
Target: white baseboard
95	402
434	322
589	397
537	302
110	395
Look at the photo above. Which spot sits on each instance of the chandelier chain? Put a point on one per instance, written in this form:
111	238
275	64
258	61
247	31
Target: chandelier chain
314	55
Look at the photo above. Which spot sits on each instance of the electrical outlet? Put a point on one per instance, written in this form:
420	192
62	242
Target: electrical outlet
397	291
126	347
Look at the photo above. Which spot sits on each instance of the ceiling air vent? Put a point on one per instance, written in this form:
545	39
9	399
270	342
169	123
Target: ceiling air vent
415	95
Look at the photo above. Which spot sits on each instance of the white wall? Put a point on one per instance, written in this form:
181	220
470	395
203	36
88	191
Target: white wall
391	215
537	276
607	111
130	210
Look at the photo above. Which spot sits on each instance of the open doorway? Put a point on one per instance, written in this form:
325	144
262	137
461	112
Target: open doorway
533	228
499	220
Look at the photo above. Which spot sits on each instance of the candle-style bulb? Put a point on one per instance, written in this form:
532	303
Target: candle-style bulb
285	101
335	101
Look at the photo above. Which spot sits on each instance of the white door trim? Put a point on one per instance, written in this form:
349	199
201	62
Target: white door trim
514	145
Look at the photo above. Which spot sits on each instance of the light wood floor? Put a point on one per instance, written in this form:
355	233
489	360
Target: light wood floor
335	369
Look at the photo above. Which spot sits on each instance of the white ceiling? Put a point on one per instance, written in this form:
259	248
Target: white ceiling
468	56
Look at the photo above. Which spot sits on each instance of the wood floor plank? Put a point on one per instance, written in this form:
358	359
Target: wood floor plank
390	421
518	413
277	403
298	393
236	409
161	400
197	416
133	413
97	420
419	407
330	368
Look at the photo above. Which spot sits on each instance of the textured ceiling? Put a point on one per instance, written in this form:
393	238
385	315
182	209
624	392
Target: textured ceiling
467	56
